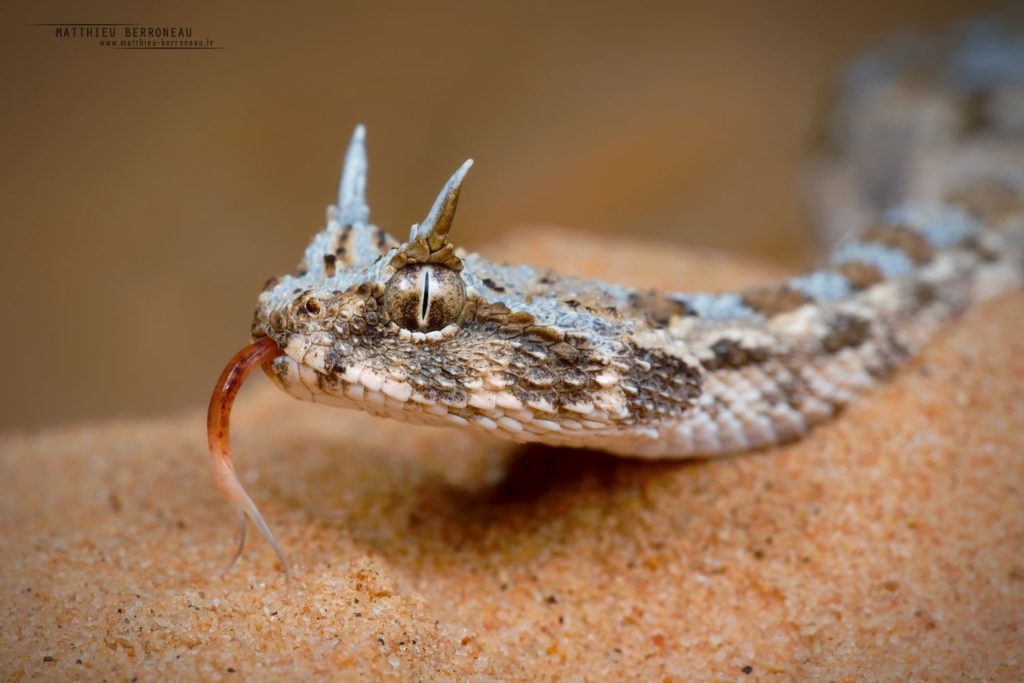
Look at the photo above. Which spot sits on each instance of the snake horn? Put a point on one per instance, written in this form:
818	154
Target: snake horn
352	206
438	222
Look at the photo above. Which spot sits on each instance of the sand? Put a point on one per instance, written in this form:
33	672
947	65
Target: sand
886	544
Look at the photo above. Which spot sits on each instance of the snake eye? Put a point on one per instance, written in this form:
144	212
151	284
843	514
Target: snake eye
424	297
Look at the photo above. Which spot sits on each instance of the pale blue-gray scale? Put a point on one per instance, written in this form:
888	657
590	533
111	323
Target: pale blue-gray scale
367	268
519	282
887	64
822	285
942	225
514	280
991	55
322	243
364	244
890	262
727	306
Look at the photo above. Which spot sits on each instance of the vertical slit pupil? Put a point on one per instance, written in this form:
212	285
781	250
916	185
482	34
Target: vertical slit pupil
425	302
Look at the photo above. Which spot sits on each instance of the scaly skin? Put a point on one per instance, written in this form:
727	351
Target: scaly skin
422	332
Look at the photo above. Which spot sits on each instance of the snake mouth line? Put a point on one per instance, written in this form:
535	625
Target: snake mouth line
218	422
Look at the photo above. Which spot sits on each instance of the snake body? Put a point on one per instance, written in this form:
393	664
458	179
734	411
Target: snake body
930	162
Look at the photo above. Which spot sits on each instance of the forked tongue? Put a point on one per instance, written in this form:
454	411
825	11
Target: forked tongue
218	420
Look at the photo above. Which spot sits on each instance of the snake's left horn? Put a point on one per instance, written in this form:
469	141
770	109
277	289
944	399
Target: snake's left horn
438	222
352	206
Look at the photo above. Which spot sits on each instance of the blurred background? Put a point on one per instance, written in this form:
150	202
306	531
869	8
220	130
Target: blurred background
148	194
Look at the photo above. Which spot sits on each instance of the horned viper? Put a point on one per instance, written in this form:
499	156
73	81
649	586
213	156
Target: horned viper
930	160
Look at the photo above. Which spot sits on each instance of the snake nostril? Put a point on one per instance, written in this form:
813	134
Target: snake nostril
312	306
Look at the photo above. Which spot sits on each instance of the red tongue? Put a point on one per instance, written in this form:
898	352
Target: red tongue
218	420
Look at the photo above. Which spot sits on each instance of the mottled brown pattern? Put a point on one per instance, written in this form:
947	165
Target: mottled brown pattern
859	275
925	293
990	201
383	240
773	300
845	331
491	284
785	386
540	374
911	243
973	112
330	264
983	252
659	385
657	307
342	247
734	354
419	250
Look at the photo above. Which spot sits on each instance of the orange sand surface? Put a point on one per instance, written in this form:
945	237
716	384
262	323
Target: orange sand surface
886	544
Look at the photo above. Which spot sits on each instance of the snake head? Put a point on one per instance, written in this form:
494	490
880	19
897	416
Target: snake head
423	332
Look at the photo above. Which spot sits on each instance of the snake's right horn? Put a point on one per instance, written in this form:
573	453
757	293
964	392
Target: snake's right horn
438	222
